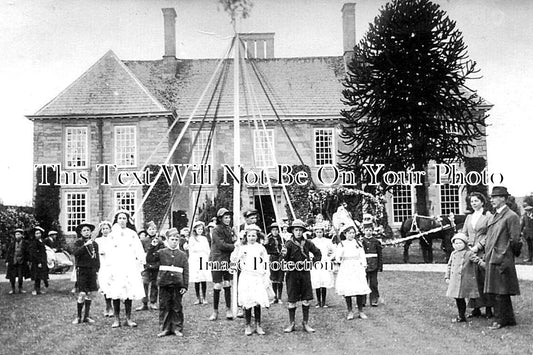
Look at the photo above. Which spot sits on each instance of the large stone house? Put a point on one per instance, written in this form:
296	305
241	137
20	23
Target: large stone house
130	113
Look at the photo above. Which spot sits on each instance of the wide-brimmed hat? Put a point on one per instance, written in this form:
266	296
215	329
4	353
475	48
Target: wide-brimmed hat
197	224
52	233
252	227
273	225
223	211
499	191
38	228
171	232
297	223
528	207
84	224
460	236
249	213
20	230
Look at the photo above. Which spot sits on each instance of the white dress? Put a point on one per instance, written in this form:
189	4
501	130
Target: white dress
322	272
198	259
351	279
103	272
254	280
126	259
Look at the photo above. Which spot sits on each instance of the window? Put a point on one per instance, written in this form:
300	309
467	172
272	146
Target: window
402	203
76	147
324	146
449	199
125	146
200	148
263	148
76	209
125	201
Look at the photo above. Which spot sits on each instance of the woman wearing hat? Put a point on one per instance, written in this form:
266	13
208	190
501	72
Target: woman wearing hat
102	239
199	273
126	262
296	254
17	261
475	229
38	260
87	266
221	248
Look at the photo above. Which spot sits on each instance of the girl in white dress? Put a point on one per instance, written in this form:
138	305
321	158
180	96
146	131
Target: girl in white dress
104	228
198	261
126	259
254	280
351	279
322	272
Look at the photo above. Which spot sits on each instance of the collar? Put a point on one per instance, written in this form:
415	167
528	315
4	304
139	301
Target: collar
499	210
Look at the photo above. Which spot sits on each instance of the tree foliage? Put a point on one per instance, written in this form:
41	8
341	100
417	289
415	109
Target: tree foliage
236	7
299	195
406	92
158	201
12	218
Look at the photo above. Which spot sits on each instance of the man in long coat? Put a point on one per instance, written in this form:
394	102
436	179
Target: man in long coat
500	277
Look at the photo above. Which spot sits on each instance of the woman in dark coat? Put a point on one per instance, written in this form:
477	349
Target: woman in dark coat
38	260
17	261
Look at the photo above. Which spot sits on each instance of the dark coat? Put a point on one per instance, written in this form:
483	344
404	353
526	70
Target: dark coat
461	273
175	258
373	246
296	253
86	256
500	276
222	243
10	253
477	235
526	226
152	258
37	252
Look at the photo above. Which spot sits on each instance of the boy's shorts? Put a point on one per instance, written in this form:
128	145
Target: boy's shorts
219	276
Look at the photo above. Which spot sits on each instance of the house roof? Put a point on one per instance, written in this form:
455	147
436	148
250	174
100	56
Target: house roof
107	87
297	87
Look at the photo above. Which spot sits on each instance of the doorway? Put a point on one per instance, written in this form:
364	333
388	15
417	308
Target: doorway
263	204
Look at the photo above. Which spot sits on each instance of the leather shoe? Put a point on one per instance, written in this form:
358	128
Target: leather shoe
88	320
459	320
163	334
214	316
248	330
307	328
229	314
290	328
130	323
496	326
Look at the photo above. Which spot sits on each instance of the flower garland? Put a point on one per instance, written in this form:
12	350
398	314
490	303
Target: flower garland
378	200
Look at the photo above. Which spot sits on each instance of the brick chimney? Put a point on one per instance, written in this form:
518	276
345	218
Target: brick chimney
348	30
169	58
258	45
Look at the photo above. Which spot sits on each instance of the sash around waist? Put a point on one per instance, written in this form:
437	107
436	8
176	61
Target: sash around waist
171	268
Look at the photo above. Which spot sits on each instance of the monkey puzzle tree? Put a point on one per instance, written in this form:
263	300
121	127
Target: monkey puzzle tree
406	93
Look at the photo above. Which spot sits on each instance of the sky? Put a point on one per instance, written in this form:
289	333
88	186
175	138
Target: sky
47	44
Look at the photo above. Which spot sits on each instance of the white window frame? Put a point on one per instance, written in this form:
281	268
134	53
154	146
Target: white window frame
118	207
116	150
394	215
445	197
264	154
315	146
200	146
69	155
71	228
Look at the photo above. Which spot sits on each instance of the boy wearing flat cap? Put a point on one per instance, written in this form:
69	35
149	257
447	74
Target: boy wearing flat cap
17	261
299	288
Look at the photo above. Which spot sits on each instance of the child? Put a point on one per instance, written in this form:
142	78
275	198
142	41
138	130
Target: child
322	273
460	275
149	274
198	261
173	281
87	265
273	246
104	228
374	260
299	288
39	261
254	279
17	261
351	279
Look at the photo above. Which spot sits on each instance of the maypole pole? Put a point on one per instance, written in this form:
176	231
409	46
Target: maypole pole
236	152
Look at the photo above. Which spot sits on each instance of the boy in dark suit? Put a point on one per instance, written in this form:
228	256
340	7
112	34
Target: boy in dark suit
173	281
374	260
17	261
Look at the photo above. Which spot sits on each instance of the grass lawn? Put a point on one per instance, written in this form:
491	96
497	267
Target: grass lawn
415	319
